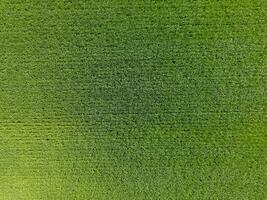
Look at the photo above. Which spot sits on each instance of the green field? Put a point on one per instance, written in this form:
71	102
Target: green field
133	100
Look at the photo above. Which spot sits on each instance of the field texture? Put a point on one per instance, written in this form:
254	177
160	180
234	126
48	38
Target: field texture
133	100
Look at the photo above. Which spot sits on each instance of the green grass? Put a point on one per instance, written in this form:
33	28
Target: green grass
133	100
